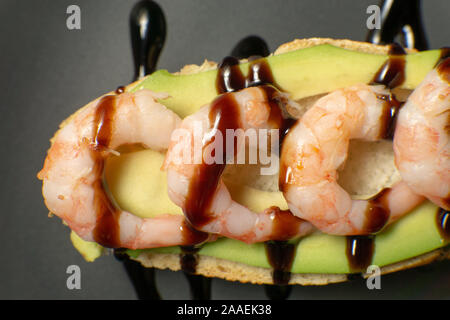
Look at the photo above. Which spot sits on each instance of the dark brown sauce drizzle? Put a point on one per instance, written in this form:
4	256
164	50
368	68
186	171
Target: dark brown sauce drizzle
277	292
230	77
280	255
189	259
286	126
443	223
359	251
445	53
120	90
443	69
285	224
224	115
143	279
392	72
377	214
250	46
360	248
193	239
192	236
259	73
391	109
200	287
107	230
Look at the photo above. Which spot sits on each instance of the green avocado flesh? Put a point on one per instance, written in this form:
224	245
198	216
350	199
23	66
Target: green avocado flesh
411	236
301	73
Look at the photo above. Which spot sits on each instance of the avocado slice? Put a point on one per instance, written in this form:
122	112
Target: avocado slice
89	250
130	179
302	73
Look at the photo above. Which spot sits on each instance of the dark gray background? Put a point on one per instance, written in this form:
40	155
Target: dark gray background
47	72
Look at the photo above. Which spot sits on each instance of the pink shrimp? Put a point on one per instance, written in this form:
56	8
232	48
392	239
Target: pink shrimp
317	146
72	173
422	138
196	186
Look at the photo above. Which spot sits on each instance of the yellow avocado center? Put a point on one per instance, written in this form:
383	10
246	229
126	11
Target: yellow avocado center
138	185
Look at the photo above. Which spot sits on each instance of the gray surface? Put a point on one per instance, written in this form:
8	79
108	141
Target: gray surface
47	72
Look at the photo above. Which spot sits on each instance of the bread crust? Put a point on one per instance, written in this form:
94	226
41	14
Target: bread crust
236	271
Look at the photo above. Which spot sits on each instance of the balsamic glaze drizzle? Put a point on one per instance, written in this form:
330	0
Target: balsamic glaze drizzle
359	251
107	230
377	214
230	77
360	248
250	46
445	53
143	279
200	287
189	259
443	223
391	108
120	90
148	34
224	114
277	292
443	69
259	73
392	72
280	255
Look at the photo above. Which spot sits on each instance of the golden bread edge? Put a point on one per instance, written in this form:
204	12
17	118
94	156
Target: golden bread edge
237	271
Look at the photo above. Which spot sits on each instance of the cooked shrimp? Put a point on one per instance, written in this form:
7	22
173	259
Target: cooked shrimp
422	137
317	146
73	169
196	185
